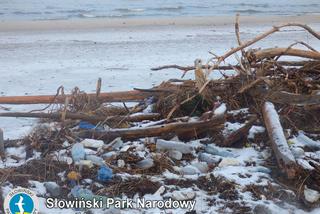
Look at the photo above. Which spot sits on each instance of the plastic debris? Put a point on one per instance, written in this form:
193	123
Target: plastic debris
297	152
145	164
68	160
190	170
229	162
311	195
86	125
78	192
214	150
125	148
84	163
175	154
201	166
221	109
160	191
53	188
78	152
104	174
109	155
171	145
73	175
306	141
95	160
65	144
183	196
208	158
261	209
92	143
116	143
121	163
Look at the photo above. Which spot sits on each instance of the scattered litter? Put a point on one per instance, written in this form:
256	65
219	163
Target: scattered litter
175	154
311	195
53	189
104	174
229	162
92	143
183	195
172	145
77	151
145	164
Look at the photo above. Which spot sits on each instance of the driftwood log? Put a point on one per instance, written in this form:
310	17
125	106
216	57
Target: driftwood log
158	130
122	96
281	97
285	158
284	97
85	117
273	52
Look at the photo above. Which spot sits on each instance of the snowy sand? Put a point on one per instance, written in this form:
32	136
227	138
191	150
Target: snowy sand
77	53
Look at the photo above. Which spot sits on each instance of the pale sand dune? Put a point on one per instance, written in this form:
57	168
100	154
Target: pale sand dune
140	22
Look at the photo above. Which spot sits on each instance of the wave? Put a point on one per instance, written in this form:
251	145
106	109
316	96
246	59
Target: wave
74	11
128	10
26	13
87	15
176	8
250	11
255	5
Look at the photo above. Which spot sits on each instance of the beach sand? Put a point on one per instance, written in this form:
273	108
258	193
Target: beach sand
105	23
39	56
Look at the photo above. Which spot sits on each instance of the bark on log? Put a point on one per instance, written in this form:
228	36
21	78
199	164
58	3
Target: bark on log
153	131
283	97
293	99
272	52
122	96
85	117
285	158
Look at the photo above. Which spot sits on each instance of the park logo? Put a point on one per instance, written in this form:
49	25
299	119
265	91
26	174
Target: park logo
21	201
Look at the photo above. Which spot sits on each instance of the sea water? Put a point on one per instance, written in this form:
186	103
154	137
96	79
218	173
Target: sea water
85	9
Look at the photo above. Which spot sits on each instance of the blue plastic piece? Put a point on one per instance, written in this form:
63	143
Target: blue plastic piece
104	174
79	192
73	183
77	151
86	125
